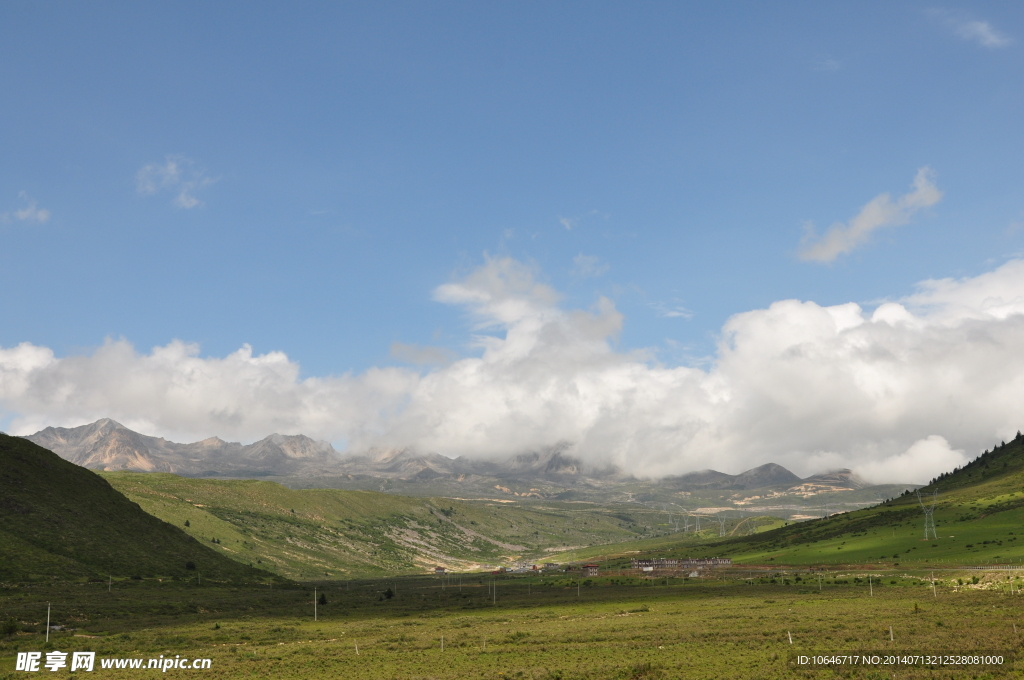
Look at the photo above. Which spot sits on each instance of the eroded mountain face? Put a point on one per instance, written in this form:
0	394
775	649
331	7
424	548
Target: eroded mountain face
108	445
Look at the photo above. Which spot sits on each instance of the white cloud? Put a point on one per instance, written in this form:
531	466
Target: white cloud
898	394
881	211
172	390
568	222
30	212
924	460
672	310
421	355
971	29
588	266
982	33
176	174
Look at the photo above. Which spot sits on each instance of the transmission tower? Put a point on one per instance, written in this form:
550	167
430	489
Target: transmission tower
672	519
929	519
675	515
721	523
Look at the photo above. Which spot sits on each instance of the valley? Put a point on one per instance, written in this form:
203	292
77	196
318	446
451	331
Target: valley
324	578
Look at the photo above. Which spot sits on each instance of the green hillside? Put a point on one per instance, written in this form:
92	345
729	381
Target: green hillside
979	520
667	541
332	533
60	520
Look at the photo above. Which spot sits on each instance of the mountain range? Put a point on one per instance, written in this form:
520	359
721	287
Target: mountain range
107	445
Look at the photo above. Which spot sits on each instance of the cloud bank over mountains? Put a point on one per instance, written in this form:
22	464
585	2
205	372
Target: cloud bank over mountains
899	394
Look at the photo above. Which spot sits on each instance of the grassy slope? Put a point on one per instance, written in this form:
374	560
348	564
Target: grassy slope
656	493
979	518
341	533
676	543
59	519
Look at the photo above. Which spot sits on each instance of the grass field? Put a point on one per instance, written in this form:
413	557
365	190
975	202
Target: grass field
613	626
859	582
313	533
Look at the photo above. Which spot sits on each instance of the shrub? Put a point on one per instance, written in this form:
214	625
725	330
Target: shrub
10	627
190	566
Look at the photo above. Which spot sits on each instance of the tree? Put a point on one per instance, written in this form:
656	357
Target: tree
187	523
323	599
190	566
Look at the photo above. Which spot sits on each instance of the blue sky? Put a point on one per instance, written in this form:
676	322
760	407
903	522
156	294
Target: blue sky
302	178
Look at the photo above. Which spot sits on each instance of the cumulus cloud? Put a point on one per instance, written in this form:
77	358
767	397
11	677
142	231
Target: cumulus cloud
422	355
31	212
174	391
925	459
881	211
176	174
898	393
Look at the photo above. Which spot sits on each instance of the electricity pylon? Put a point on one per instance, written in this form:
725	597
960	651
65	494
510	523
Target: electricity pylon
929	519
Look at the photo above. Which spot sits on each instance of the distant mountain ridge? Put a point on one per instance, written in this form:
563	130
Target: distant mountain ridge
107	445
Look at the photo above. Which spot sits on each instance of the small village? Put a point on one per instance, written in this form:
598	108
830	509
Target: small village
645	565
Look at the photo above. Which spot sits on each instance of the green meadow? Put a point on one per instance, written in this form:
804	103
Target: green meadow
864	582
618	625
332	533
